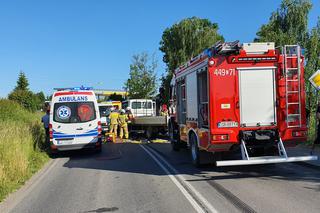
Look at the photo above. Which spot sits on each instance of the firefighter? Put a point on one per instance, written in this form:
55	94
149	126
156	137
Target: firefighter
123	119
164	110
129	114
114	116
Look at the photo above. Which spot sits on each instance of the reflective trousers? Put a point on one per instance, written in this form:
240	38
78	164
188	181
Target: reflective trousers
124	128
114	129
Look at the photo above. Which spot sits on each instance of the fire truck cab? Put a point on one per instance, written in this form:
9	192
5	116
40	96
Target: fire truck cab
247	97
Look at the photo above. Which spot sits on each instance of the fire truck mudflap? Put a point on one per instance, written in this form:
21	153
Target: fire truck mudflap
248	97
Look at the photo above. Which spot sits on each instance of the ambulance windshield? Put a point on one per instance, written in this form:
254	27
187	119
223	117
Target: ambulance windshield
74	112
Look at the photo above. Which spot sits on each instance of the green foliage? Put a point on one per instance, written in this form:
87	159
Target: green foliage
186	39
22	142
165	88
142	81
22	83
287	25
313	63
25	98
22	95
181	42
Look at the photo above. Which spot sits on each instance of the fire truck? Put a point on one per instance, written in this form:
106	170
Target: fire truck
240	98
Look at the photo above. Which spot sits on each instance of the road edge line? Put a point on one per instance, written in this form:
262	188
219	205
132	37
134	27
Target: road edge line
187	195
16	197
202	199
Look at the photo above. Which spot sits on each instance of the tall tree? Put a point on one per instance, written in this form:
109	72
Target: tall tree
187	39
22	82
313	62
26	98
181	42
288	24
142	81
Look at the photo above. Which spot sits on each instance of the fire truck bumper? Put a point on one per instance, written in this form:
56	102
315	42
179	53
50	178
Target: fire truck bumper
265	160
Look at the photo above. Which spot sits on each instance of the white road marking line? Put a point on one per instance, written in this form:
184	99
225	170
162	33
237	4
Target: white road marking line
174	177
198	195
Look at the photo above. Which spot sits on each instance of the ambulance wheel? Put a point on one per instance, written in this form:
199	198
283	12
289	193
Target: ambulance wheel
173	139
98	150
195	152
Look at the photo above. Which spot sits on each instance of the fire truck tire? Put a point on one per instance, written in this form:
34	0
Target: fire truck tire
195	152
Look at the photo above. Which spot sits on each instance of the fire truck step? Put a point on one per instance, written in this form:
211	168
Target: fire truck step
265	160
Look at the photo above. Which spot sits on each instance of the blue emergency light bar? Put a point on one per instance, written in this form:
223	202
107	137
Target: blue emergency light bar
73	88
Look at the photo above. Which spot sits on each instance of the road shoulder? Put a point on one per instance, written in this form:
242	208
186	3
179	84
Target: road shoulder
15	197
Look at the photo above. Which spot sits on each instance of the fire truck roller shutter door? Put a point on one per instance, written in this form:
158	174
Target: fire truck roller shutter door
191	96
257	96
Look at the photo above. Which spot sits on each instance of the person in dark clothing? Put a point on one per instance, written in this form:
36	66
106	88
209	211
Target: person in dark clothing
317	140
45	120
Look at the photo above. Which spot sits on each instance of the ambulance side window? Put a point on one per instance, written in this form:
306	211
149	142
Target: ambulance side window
203	115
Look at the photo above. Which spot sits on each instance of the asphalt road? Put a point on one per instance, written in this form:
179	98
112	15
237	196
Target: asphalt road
152	178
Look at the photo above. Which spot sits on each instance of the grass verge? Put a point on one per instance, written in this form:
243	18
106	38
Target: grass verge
22	146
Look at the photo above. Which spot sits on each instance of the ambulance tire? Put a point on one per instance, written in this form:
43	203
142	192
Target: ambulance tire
194	150
98	149
53	154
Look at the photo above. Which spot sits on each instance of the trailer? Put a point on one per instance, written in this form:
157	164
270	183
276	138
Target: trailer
248	98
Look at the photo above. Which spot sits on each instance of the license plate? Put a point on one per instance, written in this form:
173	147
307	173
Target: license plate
227	124
64	142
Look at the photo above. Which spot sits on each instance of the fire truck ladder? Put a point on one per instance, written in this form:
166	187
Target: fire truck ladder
292	53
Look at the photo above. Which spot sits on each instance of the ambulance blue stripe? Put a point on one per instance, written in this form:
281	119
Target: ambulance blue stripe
72	136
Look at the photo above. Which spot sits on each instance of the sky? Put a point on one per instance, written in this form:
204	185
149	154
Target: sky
66	43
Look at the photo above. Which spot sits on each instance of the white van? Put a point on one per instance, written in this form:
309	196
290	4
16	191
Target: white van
140	107
74	120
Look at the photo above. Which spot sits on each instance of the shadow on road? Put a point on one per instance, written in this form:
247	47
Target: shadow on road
131	158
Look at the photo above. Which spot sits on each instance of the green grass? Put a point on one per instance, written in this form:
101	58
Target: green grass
21	146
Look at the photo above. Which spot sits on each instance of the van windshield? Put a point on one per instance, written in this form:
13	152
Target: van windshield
74	112
104	111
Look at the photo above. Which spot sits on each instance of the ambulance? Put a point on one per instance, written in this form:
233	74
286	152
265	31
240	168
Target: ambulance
74	120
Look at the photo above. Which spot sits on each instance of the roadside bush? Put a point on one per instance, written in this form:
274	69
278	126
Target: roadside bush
25	98
22	145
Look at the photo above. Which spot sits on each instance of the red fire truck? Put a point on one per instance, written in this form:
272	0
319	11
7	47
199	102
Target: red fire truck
248	98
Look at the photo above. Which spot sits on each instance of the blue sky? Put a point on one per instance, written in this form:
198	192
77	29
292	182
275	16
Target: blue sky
62	43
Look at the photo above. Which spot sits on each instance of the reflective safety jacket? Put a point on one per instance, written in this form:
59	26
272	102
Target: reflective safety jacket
123	118
114	118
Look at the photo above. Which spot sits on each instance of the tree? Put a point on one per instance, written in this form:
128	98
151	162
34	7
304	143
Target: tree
22	95
181	42
288	24
186	39
22	83
142	81
313	62
25	98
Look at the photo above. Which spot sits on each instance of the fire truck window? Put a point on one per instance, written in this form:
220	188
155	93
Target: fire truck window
203	115
181	102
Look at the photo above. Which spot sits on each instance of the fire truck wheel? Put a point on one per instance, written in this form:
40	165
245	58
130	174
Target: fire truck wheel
195	152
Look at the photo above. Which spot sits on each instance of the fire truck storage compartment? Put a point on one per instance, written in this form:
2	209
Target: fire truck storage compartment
257	96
